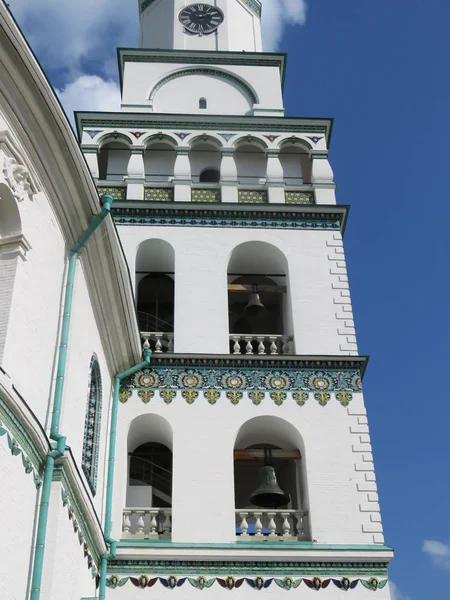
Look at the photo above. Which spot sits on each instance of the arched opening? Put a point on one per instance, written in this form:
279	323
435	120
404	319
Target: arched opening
202	103
155	282
204	155
260	318
270	481
159	162
12	245
149	490
210	176
251	164
296	164
91	442
113	159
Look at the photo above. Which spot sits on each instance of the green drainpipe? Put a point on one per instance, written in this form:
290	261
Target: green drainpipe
111	458
55	435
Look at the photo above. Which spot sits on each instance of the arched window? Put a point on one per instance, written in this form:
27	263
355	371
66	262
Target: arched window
92	425
202	103
210	176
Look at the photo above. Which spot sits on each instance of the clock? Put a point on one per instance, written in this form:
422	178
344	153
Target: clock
201	19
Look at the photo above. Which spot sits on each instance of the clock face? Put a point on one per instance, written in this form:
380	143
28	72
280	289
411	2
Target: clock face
201	19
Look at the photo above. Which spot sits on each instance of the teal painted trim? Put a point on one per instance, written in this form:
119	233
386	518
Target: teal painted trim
110	477
60	440
256	546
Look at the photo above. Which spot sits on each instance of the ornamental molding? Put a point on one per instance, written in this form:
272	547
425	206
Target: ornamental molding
315	217
15	170
210	71
258	583
15	244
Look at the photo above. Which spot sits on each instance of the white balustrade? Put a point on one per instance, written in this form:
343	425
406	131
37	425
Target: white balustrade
147	523
158	341
272	525
261	344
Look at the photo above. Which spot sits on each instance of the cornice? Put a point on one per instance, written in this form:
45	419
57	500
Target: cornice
235	215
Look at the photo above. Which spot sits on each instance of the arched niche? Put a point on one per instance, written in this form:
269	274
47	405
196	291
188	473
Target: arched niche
204	155
258	268
271	441
159	160
224	92
155	286
296	163
251	162
113	158
150	443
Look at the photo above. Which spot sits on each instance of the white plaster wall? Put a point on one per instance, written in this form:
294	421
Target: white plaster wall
16	524
338	464
84	342
321	306
141	77
34	318
183	94
66	575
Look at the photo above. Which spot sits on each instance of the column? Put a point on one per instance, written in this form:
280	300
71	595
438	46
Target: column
322	178
136	174
275	177
228	176
182	175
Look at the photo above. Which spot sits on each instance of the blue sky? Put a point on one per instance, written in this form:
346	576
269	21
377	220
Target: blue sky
381	70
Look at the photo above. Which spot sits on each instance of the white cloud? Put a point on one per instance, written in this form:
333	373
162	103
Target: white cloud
395	592
439	553
89	92
276	15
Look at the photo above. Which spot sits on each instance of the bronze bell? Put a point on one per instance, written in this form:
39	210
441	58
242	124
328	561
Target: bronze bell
269	494
254	305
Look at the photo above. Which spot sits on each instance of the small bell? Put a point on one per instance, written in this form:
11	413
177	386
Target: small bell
269	494
254	305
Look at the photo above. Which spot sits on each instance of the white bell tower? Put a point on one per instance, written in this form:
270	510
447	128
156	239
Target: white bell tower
235	25
228	218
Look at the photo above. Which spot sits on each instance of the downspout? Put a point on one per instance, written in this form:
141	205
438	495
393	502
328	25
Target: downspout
111	458
55	435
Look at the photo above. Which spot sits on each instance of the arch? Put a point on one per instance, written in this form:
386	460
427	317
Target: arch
251	160
114	137
271	433
113	158
202	103
214	72
92	424
150	444
159	159
204	154
259	268
295	161
251	139
205	138
12	245
210	176
155	283
294	139
160	137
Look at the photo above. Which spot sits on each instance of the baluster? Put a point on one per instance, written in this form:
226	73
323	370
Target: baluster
146	344
286	524
140	523
158	345
249	345
258	523
300	524
236	345
153	523
261	347
244	524
170	345
126	522
286	345
273	345
165	524
272	527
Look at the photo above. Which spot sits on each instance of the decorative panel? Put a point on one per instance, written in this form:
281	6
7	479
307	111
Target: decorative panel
252	196
152	194
206	195
298	197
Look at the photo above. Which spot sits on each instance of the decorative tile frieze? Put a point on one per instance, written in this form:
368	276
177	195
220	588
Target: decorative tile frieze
118	192
298	197
175	216
152	194
206	195
257	383
252	196
254	6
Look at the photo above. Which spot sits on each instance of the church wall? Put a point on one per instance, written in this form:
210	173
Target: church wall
33	328
66	575
84	343
321	305
17	509
341	489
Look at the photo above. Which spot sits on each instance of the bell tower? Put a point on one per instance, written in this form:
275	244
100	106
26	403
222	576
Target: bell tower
243	458
233	25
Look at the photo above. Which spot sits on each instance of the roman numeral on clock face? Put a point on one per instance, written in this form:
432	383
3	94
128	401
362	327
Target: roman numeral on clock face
201	18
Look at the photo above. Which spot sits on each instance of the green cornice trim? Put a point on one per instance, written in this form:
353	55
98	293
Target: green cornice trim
281	546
